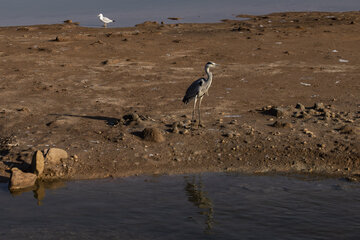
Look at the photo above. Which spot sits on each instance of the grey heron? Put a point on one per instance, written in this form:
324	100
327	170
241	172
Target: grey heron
198	89
105	20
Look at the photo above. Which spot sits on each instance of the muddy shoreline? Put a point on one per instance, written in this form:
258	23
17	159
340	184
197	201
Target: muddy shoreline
285	98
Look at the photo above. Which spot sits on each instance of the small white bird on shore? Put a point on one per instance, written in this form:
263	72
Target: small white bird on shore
105	20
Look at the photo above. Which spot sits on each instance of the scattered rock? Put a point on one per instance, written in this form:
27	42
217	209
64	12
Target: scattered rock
37	164
321	145
131	117
187	123
347	129
309	133
275	111
279	124
54	155
300	106
175	130
182	124
233	122
97	42
299	166
60	39
23	29
353	178
71	22
111	61
228	134
43	49
184	132
20	180
304	115
176	125
174	18
312	112
147	24
297	115
23	109
327	113
153	135
319	107
115	139
6	143
241	29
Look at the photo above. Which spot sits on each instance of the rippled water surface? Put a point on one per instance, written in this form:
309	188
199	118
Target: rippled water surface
206	206
131	12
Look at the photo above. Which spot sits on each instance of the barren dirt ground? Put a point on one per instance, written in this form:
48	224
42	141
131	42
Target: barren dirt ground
92	91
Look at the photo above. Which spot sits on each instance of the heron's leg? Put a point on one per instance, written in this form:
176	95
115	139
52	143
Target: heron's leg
199	109
193	113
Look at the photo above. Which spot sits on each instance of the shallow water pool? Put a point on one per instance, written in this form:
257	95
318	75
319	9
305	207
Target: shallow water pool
204	206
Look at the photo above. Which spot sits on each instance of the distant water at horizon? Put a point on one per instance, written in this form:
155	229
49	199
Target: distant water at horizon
127	13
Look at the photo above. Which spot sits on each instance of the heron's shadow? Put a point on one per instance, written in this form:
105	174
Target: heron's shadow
109	120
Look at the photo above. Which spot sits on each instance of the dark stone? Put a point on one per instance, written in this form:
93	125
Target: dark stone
278	124
300	106
319	107
276	111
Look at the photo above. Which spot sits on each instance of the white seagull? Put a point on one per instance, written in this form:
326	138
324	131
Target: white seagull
105	20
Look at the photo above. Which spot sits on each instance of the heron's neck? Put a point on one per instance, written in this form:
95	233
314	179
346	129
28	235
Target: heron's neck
209	74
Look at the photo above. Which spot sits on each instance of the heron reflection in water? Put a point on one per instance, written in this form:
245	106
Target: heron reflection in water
197	196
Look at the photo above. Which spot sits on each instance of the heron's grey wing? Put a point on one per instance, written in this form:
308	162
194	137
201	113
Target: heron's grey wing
193	90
